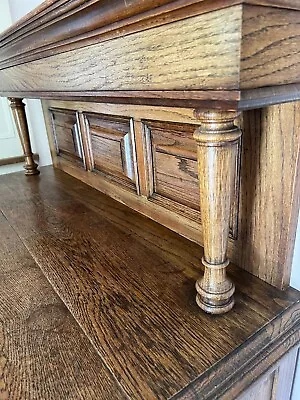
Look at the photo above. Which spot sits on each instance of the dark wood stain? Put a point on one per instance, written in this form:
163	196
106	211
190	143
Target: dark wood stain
126	281
129	283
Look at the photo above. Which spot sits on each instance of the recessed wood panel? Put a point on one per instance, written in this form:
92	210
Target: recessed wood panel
177	179
173	170
112	148
174	155
276	383
66	133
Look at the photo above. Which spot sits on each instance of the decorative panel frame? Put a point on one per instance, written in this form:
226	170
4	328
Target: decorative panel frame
67	135
173	171
112	148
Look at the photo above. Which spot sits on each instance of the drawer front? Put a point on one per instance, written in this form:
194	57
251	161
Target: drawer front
112	148
67	137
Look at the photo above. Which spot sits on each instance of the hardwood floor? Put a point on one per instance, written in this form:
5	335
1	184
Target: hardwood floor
129	284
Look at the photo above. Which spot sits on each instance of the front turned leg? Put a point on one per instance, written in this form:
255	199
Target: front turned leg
217	142
18	111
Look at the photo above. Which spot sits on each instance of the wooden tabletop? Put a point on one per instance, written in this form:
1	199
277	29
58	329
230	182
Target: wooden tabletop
129	283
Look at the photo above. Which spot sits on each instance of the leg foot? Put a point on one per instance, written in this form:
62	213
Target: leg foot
207	298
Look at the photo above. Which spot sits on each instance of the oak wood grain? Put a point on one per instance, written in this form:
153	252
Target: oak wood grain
174	162
270	189
143	61
270	51
79	24
164	98
134	292
140	112
66	136
67	25
217	147
43	352
171	152
64	38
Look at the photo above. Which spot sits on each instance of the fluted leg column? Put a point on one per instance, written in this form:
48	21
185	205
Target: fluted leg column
217	139
18	111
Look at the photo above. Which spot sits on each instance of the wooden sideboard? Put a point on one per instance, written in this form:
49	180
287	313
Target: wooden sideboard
186	111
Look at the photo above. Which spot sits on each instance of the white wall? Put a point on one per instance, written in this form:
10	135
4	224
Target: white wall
36	123
5	18
10	145
18	8
295	278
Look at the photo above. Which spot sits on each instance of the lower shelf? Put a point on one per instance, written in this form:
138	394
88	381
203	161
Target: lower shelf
129	283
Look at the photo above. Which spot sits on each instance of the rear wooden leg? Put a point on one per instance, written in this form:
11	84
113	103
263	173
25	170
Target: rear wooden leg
18	111
217	142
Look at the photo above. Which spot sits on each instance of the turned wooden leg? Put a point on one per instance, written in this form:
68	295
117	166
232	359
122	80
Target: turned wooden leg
18	111
217	139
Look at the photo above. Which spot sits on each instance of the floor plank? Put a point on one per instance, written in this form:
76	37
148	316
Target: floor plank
130	284
43	352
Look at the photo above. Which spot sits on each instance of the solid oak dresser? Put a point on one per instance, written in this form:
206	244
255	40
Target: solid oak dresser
186	111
